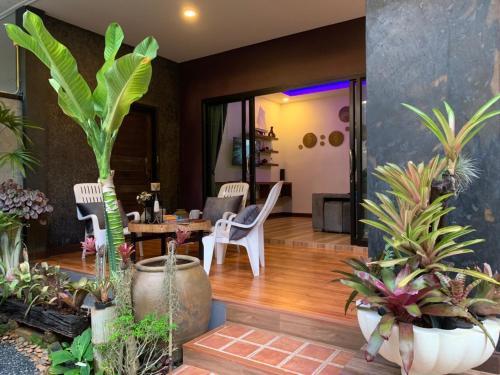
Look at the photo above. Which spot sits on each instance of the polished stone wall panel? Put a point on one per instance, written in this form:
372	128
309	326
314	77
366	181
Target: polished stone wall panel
424	52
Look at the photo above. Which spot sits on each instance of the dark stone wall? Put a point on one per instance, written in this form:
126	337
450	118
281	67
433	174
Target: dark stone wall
328	53
66	158
424	52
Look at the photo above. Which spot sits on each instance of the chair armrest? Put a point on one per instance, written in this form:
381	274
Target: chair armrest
134	215
95	221
224	226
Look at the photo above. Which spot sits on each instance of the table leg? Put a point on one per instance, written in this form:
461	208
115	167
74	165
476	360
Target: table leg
133	241
163	244
200	244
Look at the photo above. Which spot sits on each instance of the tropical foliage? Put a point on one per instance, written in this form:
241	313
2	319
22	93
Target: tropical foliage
20	159
412	283
99	112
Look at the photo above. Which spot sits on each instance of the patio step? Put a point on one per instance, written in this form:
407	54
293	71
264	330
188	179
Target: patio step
343	333
191	370
241	349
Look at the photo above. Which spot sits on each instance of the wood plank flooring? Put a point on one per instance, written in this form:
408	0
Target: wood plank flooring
295	279
298	232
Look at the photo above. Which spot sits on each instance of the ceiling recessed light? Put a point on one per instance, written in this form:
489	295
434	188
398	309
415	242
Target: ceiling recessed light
285	99
190	13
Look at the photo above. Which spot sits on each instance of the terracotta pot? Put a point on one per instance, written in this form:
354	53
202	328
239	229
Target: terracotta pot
193	286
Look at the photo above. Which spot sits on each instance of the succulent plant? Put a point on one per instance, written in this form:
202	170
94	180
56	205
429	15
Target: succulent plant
26	204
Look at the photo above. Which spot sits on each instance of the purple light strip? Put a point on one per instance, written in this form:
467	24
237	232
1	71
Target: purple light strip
318	88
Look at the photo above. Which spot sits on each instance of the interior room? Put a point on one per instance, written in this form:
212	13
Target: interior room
302	138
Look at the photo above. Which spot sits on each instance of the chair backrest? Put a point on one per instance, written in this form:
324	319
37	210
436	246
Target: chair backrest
86	193
234	189
271	200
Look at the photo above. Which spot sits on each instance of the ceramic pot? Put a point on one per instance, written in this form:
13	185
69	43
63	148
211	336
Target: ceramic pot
101	320
436	351
194	290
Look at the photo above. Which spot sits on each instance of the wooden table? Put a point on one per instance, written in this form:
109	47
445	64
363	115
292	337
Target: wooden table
168	229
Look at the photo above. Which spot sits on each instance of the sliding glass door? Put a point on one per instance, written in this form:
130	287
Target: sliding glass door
358	173
229	145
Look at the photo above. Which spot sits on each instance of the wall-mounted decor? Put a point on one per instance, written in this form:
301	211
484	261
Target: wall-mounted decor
321	143
344	114
322	136
309	140
347	129
336	138
301	147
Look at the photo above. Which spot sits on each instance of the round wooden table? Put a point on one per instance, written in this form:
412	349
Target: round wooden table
168	229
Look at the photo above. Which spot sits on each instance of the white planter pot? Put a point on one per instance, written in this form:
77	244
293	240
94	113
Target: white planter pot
436	351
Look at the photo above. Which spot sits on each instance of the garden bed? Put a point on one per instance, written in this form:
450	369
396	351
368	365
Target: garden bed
46	319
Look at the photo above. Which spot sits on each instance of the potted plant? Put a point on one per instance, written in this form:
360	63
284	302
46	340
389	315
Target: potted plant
44	297
417	309
174	285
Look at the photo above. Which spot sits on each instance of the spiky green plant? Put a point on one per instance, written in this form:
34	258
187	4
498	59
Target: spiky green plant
454	141
100	112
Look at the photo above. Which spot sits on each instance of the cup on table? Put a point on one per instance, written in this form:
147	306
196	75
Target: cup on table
194	214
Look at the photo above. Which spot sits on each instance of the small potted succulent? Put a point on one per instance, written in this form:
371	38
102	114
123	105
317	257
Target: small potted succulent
18	207
416	308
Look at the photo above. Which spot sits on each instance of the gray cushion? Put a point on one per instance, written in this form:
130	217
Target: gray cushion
215	207
247	216
97	209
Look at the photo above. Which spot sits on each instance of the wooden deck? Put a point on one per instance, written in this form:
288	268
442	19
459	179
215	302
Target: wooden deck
296	280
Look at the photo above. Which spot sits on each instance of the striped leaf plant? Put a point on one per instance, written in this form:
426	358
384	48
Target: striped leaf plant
99	112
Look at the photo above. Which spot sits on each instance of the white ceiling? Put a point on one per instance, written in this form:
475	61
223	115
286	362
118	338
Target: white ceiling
221	25
280	97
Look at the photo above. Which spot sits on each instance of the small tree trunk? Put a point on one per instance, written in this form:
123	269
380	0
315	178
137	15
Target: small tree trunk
101	330
114	226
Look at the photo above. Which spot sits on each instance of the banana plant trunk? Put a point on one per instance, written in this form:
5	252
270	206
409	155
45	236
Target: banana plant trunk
114	226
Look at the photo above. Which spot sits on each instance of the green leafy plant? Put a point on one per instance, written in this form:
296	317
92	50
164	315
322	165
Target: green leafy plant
100	112
412	284
20	158
75	359
453	142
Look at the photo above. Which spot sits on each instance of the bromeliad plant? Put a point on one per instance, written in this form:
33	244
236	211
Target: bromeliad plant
411	283
99	112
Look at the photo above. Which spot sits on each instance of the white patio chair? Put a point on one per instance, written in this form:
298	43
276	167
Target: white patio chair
253	241
234	189
92	192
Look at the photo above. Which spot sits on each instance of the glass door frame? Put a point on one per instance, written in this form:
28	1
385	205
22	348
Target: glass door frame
356	135
248	161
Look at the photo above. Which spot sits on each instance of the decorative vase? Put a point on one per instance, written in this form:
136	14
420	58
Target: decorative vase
193	289
436	351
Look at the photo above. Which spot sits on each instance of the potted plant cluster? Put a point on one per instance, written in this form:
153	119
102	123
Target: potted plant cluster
416	308
44	297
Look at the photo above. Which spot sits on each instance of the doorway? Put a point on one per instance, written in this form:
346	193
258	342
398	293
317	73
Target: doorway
134	155
260	155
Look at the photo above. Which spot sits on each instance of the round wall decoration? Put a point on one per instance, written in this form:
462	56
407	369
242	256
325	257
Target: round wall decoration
344	114
347	129
321	143
309	140
336	138
322	136
301	147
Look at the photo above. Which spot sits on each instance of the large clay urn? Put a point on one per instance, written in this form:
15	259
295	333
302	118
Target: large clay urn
193	288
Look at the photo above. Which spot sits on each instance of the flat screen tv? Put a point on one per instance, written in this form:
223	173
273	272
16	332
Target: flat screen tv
237	157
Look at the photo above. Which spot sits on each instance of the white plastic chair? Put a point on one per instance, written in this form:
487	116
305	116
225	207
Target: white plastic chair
234	189
92	192
253	241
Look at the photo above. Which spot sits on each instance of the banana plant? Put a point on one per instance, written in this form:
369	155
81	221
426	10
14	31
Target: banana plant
99	112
